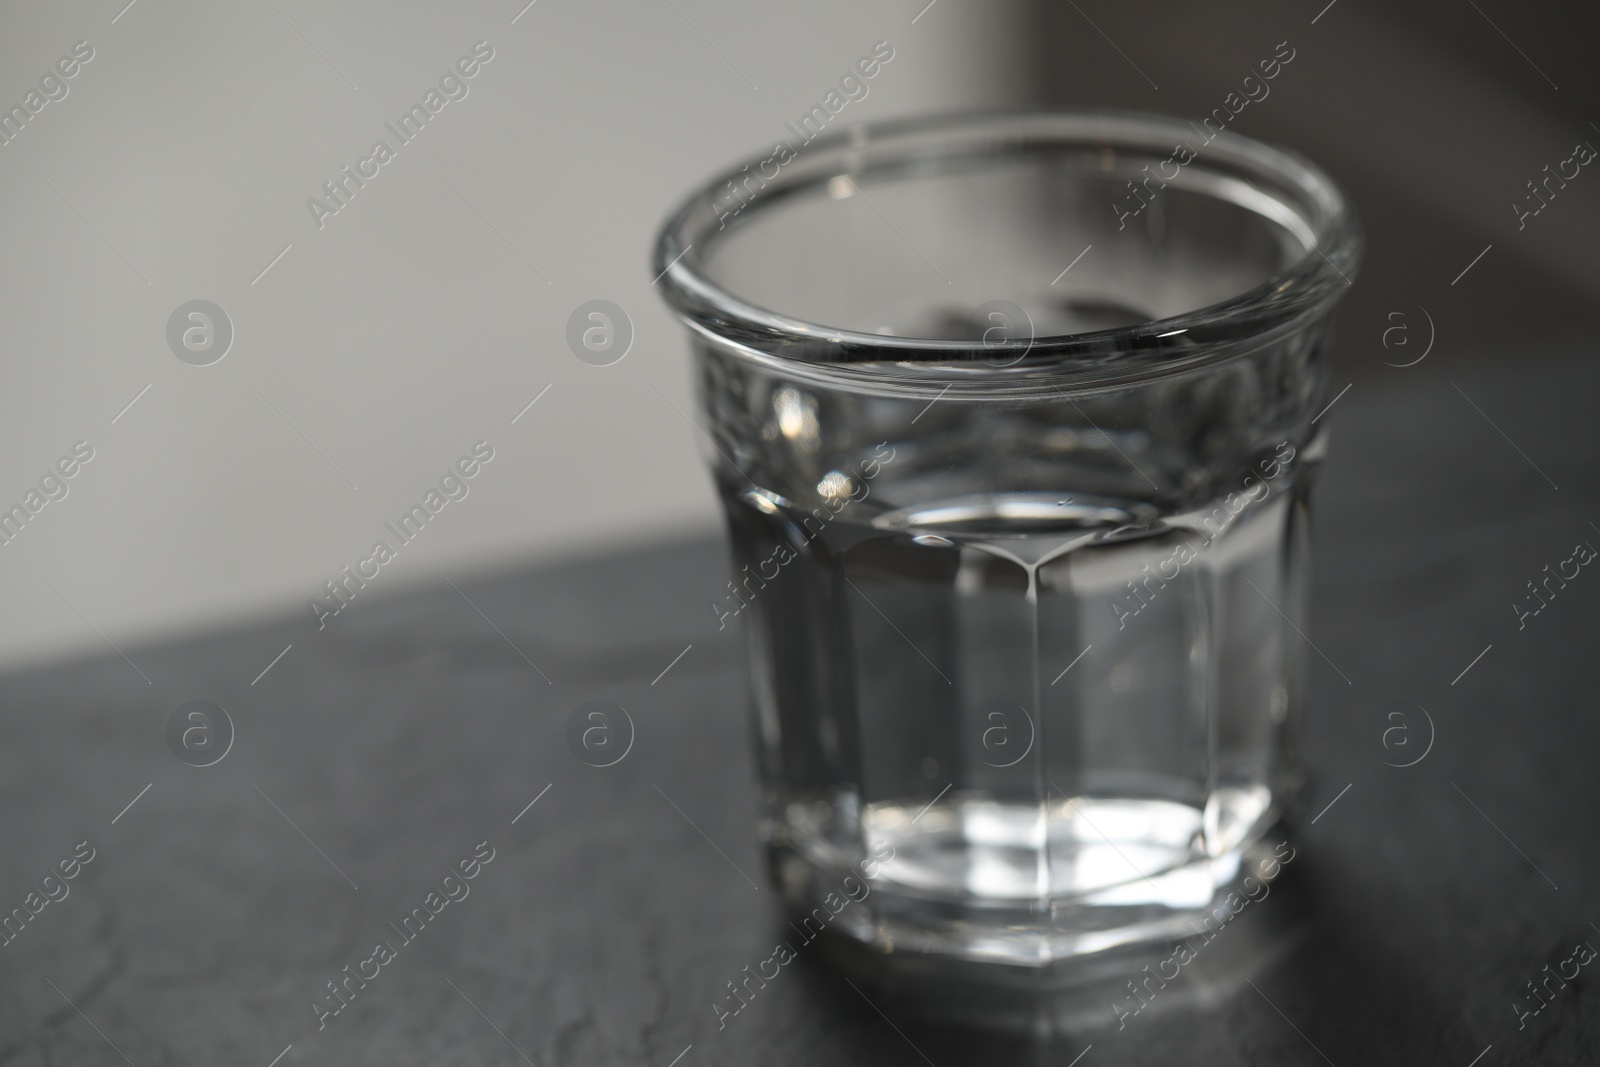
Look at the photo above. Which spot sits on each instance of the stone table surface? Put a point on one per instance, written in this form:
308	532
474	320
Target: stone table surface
412	734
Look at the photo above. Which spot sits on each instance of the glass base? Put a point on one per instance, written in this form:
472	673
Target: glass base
980	880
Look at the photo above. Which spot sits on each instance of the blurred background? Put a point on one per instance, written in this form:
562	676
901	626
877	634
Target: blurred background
374	346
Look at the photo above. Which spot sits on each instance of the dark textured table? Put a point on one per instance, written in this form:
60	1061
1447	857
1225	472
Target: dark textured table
409	737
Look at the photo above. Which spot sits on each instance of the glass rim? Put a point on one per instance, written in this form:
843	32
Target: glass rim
1321	219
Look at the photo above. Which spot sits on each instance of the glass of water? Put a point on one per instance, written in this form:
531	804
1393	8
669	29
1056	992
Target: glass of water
1014	419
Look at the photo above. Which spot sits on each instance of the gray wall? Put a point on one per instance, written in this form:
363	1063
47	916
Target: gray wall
419	319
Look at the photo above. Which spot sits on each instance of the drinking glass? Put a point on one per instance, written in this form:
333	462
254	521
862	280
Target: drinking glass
1014	421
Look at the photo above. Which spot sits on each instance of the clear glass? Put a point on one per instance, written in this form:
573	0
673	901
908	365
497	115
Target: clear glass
1013	421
